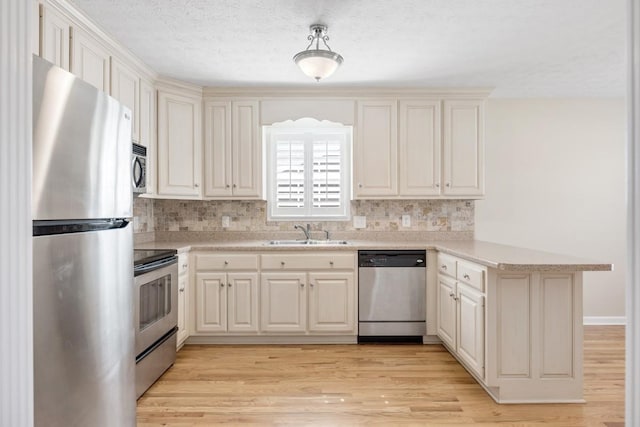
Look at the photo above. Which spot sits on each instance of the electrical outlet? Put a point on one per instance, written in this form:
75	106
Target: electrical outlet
359	222
226	221
406	220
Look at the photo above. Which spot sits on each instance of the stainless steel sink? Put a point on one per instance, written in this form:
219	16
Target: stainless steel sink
306	242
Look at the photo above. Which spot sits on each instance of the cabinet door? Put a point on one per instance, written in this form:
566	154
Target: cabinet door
125	87
283	299
446	311
90	60
183	332
463	144
55	32
179	145
211	302
471	328
419	148
247	150
148	130
376	149
242	302
331	302
217	149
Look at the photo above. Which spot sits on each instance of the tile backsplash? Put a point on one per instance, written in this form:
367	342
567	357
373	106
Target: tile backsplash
251	216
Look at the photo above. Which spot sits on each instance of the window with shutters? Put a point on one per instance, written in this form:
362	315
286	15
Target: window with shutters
309	172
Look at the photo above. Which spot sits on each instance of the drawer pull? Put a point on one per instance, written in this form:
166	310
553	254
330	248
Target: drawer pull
444	267
466	276
330	262
184	266
181	290
282	263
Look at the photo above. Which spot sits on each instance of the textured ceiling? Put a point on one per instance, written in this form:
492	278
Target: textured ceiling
522	48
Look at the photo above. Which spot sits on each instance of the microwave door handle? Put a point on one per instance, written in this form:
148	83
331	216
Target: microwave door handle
137	172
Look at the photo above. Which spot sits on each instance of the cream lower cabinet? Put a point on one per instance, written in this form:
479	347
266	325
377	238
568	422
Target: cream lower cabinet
226	294
183	298
308	293
519	333
460	318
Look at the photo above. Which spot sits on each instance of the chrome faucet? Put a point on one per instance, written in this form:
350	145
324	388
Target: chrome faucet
306	231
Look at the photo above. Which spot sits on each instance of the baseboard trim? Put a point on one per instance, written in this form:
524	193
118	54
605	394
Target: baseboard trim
604	320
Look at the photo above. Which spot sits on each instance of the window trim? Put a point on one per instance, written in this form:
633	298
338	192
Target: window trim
290	128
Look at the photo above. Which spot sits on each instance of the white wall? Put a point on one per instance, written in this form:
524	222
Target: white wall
555	181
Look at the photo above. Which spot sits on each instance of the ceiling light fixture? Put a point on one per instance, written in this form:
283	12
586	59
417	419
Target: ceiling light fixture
318	63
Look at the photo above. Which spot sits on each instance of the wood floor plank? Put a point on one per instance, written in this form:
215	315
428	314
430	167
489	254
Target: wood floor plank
352	385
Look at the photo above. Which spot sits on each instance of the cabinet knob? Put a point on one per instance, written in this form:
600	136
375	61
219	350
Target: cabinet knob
234	186
437	185
227	186
196	185
451	294
226	263
184	265
282	263
229	284
222	285
444	267
448	184
311	284
330	262
466	276
181	290
302	285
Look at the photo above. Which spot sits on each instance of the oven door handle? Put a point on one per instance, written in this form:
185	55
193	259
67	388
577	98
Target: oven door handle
155	266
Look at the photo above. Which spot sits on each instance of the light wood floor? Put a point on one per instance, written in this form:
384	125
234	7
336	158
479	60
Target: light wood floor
350	385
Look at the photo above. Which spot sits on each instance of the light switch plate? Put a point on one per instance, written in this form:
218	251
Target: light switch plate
359	222
226	221
406	220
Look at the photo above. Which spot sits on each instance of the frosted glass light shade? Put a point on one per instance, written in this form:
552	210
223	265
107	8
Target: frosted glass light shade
318	63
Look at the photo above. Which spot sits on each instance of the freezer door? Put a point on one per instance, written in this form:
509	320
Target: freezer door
81	149
84	362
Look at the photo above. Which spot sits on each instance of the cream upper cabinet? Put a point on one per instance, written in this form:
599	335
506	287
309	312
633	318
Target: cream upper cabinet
247	152
55	37
90	60
125	87
463	148
376	149
233	150
217	149
147	133
420	148
179	145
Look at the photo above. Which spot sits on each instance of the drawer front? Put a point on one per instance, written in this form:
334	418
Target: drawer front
472	274
447	265
226	262
317	261
183	263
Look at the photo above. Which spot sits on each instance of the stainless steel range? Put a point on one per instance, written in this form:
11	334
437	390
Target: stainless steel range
156	314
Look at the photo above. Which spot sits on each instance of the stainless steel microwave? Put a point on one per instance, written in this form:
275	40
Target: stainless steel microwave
139	169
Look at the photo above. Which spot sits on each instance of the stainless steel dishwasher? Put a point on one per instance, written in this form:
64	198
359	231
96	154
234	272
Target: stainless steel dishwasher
391	294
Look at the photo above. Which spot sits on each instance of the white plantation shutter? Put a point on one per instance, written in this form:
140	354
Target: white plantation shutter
309	173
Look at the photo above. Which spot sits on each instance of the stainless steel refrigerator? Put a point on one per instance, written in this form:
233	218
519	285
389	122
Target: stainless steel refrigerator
84	362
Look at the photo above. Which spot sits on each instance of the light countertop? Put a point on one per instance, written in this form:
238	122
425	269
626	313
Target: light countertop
493	255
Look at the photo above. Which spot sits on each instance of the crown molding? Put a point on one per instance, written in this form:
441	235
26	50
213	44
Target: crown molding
346	92
78	18
178	86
